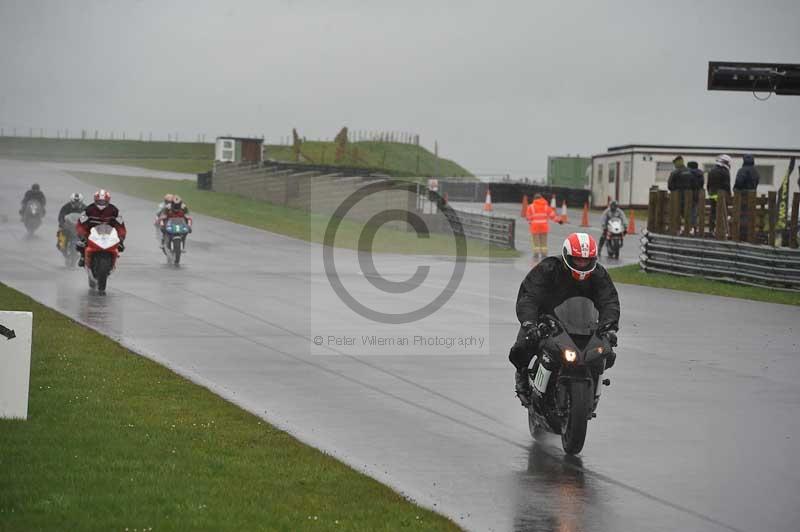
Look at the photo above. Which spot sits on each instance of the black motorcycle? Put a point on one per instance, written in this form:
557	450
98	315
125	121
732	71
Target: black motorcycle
175	232
566	376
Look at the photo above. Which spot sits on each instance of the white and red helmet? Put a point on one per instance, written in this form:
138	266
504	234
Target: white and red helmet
580	255
102	198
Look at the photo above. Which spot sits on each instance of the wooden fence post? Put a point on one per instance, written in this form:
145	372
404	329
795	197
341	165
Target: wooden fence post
701	214
652	209
721	229
793	220
663	208
674	212
736	217
772	213
751	216
687	211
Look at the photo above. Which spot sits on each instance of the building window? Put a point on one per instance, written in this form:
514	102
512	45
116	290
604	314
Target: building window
227	144
227	155
663	169
767	174
599	173
626	171
612	172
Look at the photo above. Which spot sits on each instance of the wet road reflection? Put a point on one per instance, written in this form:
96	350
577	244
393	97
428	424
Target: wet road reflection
555	494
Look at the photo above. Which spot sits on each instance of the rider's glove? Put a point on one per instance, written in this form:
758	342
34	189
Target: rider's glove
121	247
611	336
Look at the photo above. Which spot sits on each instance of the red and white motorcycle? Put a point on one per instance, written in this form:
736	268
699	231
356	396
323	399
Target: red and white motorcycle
102	249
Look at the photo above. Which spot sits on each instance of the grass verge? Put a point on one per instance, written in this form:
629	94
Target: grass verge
187	166
114	441
290	222
632	274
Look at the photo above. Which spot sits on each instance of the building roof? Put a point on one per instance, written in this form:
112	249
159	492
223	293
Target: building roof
720	149
261	139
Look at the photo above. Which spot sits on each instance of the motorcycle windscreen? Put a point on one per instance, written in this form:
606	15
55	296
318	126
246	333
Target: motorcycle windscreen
578	315
176	225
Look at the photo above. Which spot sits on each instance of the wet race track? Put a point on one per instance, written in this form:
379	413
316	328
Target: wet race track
698	431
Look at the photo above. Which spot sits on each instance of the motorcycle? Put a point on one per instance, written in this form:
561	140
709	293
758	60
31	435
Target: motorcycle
566	376
100	257
32	216
67	238
614	235
175	230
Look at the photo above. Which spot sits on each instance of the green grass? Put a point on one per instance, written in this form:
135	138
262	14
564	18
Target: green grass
278	219
632	274
393	157
76	149
114	441
187	166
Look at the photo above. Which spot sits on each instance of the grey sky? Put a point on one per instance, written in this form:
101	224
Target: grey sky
501	85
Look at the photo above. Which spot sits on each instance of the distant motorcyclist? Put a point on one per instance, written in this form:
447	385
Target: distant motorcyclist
554	280
612	212
75	204
162	209
99	212
34	194
176	208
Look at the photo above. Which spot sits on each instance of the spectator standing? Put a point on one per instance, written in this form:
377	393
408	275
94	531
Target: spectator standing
719	182
747	179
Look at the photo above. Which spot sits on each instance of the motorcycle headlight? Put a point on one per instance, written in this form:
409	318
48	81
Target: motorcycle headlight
570	355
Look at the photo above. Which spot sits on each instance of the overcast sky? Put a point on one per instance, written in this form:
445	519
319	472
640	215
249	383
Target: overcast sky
500	85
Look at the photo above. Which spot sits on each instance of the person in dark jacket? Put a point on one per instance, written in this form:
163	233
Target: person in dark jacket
747	177
34	194
696	183
719	182
550	283
681	177
74	205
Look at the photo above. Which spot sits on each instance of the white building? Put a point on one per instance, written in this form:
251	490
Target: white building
626	173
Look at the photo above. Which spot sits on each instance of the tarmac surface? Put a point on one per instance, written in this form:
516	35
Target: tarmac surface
698	431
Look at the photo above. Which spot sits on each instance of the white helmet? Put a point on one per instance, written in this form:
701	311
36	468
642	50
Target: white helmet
76	197
724	160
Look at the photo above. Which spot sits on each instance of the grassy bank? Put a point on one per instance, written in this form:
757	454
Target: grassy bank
396	158
117	442
632	274
195	157
290	222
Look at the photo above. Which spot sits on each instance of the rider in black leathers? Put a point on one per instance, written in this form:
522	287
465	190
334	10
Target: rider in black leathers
546	286
35	193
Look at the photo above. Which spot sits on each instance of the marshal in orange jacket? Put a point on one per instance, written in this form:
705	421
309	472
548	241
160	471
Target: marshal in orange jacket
538	214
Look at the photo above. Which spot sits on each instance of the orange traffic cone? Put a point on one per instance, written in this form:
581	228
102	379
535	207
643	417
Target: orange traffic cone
585	217
487	205
632	225
524	211
564	216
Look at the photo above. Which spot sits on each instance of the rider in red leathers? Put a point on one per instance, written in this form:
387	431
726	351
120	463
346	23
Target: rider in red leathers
99	212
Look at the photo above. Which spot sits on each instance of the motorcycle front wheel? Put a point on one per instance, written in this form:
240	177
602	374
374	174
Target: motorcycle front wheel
574	433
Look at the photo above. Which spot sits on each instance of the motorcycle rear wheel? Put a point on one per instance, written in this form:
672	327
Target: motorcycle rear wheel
574	434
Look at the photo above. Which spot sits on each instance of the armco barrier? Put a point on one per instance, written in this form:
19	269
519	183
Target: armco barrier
723	260
313	189
493	229
503	192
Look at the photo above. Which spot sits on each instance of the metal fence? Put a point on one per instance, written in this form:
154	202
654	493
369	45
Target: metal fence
736	262
492	229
